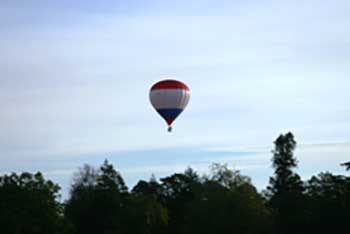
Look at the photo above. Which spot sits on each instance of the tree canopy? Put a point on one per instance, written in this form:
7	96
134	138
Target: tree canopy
222	201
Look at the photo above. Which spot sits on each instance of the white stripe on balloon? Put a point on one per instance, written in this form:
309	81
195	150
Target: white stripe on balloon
169	98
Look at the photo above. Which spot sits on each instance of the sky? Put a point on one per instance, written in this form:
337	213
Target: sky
75	78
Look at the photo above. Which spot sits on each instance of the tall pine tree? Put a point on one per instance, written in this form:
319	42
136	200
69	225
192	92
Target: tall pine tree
286	188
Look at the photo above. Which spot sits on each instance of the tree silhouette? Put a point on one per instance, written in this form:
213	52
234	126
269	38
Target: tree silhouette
286	188
177	191
346	165
28	204
328	203
226	203
110	179
97	200
223	201
228	178
149	189
145	213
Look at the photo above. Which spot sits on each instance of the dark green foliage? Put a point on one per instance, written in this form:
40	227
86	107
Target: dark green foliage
227	203
328	203
285	180
183	203
286	189
145	215
97	200
226	177
177	191
149	189
28	204
110	179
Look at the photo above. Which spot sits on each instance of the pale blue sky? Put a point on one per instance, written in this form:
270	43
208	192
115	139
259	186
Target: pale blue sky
75	79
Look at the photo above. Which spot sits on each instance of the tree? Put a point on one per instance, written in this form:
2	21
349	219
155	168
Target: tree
149	189
145	214
28	204
110	179
286	188
329	203
226	203
346	165
85	177
97	200
177	191
227	177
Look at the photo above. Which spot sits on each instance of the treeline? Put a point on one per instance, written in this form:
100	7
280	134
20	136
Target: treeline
224	201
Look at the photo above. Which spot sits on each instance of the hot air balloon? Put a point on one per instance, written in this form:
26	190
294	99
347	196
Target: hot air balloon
169	98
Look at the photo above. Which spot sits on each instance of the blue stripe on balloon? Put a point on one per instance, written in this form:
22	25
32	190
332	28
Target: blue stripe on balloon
169	113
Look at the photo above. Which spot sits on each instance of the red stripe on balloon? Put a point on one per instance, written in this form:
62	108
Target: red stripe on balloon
169	84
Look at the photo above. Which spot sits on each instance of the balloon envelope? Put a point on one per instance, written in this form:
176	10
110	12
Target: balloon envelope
169	98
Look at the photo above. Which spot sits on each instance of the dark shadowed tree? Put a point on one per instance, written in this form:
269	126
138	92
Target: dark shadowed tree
226	203
346	165
229	178
177	191
28	204
286	188
110	179
97	200
145	214
149	189
329	203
